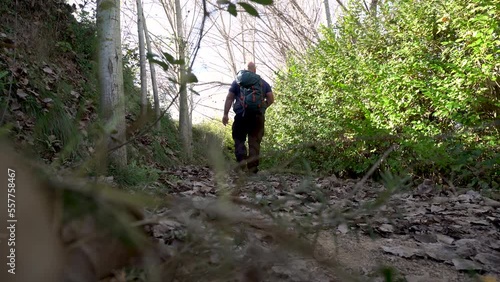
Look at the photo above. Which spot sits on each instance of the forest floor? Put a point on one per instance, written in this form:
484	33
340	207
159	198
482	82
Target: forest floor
354	232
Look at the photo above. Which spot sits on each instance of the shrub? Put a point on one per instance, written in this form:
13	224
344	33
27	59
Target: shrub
422	76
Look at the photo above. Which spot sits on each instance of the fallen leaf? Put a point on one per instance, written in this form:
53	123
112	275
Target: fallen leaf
24	81
33	92
75	94
48	70
343	228
21	94
487	278
14	106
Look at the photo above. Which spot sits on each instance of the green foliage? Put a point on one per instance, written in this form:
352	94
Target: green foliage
55	131
170	130
423	76
212	135
83	40
134	174
64	46
249	8
4	85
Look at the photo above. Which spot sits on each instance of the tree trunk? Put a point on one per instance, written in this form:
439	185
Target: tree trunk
152	70
327	13
111	79
183	97
373	7
142	62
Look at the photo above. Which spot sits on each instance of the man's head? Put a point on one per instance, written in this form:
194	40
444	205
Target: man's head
251	67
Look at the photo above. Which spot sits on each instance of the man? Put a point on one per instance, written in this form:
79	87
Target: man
247	122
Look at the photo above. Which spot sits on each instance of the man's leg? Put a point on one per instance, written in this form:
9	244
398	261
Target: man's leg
254	138
240	137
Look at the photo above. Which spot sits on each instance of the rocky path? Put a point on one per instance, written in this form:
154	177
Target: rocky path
354	233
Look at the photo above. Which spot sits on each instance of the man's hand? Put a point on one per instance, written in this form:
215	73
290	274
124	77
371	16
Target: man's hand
225	119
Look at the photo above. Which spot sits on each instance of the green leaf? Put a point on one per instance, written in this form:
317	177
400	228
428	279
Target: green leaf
169	57
232	9
151	56
223	2
4	73
263	2
179	62
249	9
174	81
162	64
191	78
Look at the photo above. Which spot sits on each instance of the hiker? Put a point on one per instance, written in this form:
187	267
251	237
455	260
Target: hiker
251	96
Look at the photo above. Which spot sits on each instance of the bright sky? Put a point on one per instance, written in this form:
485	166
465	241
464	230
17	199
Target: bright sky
209	65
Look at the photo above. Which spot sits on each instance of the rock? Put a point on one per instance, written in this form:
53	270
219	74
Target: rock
444	239
426	187
477	221
402	251
440	200
387	228
491	203
415	212
492	261
440	252
466	265
343	228
467	247
470	196
436	208
493	243
421	278
475	195
425	238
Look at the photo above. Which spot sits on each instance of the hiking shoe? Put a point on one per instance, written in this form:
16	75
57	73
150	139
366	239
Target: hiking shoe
253	170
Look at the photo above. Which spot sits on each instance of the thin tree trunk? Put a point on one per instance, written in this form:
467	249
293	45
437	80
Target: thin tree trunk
183	99
142	62
152	71
111	79
373	7
327	12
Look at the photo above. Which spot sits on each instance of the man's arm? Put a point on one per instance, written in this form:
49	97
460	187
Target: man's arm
269	94
269	98
227	107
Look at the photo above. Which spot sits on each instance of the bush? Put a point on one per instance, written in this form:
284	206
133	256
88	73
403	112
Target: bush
134	175
422	76
212	135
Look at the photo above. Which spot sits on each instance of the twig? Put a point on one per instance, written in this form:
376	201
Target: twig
198	44
375	166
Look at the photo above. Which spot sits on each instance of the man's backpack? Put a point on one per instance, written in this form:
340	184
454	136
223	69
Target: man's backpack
251	91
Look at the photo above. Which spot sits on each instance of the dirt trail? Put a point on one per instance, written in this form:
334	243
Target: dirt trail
422	233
